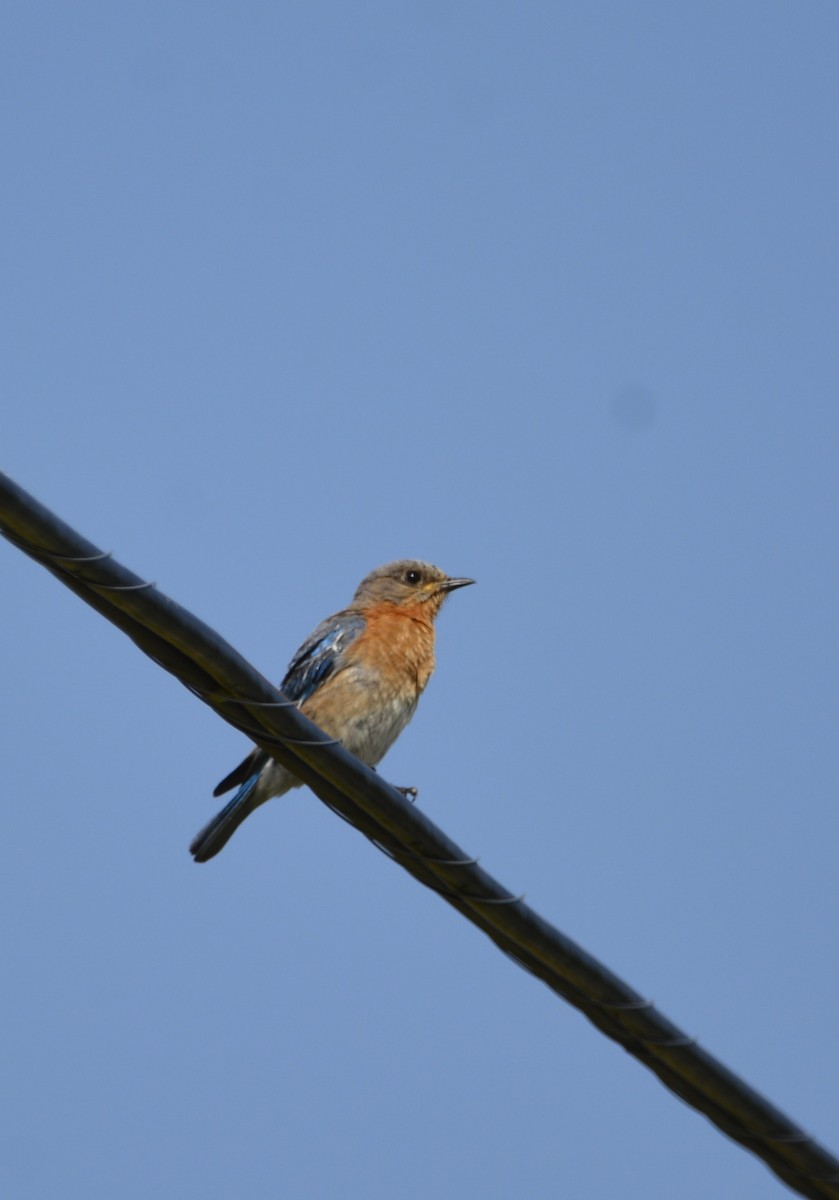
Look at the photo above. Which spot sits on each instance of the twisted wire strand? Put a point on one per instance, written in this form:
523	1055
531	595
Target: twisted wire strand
211	669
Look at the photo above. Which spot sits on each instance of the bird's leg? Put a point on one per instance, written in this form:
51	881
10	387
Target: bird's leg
410	793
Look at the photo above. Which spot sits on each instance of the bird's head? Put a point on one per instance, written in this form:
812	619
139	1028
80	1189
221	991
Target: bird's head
408	583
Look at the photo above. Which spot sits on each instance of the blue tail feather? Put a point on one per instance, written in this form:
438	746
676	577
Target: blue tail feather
216	834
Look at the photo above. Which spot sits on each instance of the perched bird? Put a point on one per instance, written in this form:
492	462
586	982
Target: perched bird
358	676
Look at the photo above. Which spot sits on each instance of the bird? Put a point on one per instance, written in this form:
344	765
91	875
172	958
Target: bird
359	676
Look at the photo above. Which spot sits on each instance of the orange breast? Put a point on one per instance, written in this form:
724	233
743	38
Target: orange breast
398	643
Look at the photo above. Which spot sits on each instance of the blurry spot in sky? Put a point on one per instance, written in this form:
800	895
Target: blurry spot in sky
634	408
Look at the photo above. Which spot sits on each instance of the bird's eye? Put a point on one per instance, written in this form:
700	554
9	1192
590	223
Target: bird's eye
412	577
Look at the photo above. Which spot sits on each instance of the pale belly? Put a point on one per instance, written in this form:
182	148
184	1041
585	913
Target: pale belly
370	736
366	715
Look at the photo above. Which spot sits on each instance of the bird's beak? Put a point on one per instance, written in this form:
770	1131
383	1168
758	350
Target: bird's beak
449	585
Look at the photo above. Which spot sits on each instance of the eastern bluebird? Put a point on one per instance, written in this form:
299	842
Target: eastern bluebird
358	676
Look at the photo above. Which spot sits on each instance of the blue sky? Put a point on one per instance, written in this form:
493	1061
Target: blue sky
546	294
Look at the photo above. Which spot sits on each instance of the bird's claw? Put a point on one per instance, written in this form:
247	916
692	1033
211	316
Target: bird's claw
410	793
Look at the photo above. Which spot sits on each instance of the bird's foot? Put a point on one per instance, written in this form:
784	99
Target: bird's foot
409	793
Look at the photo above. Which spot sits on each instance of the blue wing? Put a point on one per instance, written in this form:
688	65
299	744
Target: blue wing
320	654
